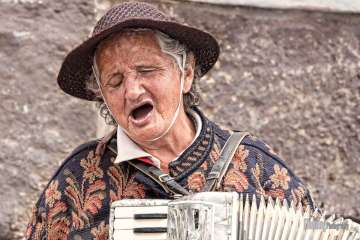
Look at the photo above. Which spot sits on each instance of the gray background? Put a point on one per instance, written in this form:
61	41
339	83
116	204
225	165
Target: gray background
291	77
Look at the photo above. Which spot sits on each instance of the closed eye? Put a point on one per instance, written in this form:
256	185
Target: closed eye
115	81
146	69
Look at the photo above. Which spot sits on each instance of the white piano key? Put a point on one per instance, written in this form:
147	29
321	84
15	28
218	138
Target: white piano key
128	212
129	223
130	235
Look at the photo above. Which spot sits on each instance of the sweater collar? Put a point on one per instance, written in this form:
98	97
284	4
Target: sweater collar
196	153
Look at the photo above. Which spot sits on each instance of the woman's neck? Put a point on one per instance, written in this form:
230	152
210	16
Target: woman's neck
174	142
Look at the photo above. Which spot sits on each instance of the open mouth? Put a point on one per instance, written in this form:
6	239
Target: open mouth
142	111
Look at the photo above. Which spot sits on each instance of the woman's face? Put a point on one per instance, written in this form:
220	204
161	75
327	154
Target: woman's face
140	83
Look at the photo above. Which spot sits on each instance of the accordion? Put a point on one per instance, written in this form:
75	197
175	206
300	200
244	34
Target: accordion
224	216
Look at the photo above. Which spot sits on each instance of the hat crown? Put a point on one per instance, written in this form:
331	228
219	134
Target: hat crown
126	11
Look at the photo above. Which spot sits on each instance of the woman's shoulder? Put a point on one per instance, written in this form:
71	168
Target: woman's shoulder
256	168
268	173
75	194
260	150
254	148
73	160
260	154
82	164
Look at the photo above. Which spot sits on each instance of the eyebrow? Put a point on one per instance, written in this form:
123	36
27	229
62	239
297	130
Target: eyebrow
148	61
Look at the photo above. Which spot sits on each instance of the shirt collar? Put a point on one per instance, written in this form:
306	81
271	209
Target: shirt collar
128	149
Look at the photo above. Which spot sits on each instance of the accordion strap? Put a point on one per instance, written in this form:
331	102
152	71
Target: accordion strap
213	180
218	171
168	183
163	179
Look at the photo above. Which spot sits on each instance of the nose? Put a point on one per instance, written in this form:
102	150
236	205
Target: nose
133	87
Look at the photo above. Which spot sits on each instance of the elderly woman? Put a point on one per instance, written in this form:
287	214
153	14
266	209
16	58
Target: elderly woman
143	67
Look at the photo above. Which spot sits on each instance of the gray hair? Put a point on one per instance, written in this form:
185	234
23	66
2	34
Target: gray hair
178	51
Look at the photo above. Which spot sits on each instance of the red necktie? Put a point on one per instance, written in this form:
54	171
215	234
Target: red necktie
146	160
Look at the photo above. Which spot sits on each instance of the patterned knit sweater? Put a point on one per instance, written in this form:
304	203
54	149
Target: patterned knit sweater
76	202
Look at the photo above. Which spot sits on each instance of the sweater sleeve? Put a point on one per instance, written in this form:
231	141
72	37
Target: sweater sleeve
50	218
38	220
53	216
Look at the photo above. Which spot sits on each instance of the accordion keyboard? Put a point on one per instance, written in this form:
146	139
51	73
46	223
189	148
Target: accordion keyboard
139	220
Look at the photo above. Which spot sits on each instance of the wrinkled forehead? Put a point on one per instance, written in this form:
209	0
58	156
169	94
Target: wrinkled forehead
141	38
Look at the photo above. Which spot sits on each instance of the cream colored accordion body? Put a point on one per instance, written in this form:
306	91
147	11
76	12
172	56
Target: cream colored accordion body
224	216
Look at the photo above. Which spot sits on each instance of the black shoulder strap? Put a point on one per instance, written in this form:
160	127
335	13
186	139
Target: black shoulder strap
218	171
163	179
168	183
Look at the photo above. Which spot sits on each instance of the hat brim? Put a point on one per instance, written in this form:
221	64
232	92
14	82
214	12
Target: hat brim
77	66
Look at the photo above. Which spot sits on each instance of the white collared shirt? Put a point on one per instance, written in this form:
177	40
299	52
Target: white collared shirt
129	150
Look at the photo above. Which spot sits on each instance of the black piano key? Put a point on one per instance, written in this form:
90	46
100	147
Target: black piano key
150	230
150	216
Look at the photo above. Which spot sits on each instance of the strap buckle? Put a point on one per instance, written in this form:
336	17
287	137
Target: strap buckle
177	196
163	176
213	175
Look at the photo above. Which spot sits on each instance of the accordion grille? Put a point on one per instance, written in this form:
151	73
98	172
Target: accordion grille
276	220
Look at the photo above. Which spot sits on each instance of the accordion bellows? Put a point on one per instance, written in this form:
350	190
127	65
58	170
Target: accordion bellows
224	216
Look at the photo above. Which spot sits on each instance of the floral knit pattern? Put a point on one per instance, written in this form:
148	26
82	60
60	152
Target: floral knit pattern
76	202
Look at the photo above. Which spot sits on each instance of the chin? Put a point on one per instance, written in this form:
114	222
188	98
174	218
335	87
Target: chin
146	133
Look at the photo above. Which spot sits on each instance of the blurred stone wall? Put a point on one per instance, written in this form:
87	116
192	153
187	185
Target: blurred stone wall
290	77
317	5
39	124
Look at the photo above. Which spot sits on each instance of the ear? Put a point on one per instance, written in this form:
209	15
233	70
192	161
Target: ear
189	72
